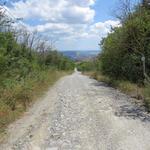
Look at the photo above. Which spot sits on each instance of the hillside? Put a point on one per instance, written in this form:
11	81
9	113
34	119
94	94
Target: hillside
81	55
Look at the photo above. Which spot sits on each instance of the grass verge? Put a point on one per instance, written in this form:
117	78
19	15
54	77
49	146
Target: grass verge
19	95
135	91
147	96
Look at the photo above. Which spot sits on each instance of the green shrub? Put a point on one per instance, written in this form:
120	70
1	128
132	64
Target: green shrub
24	75
123	48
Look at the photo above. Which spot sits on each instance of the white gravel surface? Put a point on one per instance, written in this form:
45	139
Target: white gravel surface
78	113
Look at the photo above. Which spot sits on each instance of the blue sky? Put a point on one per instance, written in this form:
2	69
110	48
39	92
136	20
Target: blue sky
74	24
104	9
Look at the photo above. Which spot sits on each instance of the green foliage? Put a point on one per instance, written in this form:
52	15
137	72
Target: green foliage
56	59
92	65
19	63
25	72
119	63
123	48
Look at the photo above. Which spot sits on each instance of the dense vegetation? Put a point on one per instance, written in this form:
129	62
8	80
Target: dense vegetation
92	65
125	52
123	49
27	65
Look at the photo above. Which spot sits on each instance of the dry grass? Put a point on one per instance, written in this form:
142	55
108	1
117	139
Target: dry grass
14	101
147	96
125	86
139	92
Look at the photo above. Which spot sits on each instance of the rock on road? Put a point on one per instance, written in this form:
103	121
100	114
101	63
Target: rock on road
78	113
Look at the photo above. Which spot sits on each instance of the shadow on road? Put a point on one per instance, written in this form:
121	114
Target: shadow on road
128	110
100	84
134	112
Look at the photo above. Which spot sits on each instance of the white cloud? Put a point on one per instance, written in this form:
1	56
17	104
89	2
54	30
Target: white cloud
70	11
67	20
104	27
83	3
52	26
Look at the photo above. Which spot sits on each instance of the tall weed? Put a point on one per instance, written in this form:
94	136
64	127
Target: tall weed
16	96
147	96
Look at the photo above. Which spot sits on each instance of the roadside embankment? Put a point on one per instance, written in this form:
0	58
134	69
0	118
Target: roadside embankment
15	99
139	92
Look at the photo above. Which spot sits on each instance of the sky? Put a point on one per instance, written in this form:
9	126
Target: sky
73	24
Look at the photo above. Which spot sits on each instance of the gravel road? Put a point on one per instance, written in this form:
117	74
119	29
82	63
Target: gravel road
78	113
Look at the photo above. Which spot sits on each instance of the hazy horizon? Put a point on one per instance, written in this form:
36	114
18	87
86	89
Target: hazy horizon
78	50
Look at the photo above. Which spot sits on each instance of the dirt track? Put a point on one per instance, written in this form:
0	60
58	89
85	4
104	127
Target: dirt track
79	113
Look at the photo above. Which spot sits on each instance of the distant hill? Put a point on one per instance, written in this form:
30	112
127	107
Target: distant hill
80	55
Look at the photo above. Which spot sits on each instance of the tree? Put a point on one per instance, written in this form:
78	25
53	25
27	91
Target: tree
123	48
